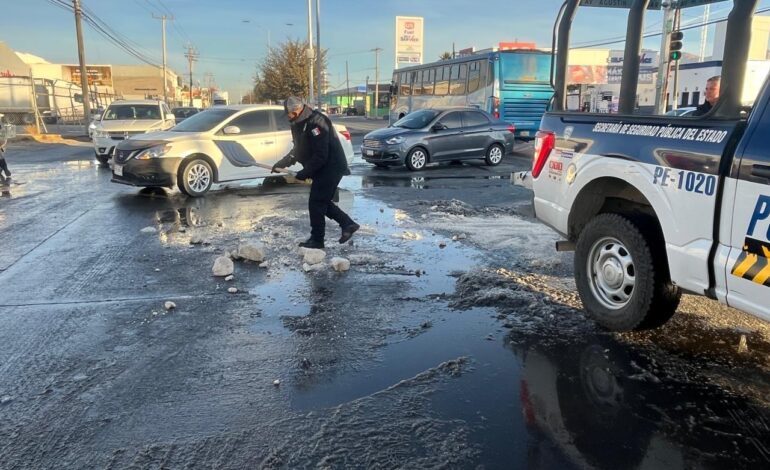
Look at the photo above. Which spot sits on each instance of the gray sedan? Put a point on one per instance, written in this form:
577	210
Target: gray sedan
435	135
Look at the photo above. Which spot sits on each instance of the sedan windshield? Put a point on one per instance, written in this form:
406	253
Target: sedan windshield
204	121
417	119
132	111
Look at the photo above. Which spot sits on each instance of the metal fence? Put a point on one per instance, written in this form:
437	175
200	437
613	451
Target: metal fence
47	103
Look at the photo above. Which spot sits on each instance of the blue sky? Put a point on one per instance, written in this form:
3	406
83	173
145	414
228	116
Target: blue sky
231	35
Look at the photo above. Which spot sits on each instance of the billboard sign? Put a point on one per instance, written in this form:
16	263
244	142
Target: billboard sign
99	75
409	41
648	66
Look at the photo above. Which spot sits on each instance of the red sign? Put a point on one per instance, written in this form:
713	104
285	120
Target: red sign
510	46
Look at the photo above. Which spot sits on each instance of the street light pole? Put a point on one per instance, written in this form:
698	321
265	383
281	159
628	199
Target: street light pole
310	54
83	71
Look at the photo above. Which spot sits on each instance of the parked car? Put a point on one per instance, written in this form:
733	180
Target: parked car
123	119
183	113
435	135
681	112
219	145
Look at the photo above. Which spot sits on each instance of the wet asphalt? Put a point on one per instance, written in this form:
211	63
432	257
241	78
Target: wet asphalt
456	340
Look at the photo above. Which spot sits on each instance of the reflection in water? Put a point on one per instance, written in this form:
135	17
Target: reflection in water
605	406
418	182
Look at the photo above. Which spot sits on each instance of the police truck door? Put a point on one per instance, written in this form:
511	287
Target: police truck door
748	265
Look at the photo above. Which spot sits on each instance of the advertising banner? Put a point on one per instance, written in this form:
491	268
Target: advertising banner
409	41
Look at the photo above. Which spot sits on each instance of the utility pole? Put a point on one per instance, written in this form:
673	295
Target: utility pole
310	53
376	80
675	92
163	19
192	56
318	49
661	86
83	71
704	32
347	80
366	98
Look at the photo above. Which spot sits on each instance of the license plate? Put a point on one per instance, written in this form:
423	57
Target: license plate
118	170
525	133
369	152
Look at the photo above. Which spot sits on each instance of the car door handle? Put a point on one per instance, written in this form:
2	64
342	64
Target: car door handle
762	171
268	142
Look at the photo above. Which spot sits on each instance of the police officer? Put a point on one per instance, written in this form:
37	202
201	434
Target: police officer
318	149
3	164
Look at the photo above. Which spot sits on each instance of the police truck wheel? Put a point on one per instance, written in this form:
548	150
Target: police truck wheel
195	177
417	159
494	155
622	276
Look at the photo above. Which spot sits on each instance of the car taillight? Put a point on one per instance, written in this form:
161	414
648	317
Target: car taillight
345	134
545	141
496	107
511	128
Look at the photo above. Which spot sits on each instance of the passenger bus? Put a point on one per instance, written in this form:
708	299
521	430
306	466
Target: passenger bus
514	86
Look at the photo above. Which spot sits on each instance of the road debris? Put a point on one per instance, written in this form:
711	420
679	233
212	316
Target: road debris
232	290
313	267
149	230
340	264
312	256
169	305
229	278
223	266
251	252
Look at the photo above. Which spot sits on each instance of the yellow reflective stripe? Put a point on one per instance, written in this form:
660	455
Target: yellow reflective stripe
764	274
747	263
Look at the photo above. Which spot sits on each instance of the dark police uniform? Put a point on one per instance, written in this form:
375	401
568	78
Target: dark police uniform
318	149
703	109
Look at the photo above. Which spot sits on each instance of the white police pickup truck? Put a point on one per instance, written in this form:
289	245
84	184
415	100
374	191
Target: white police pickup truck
657	205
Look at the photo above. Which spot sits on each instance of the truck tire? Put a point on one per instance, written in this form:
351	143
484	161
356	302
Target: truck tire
622	276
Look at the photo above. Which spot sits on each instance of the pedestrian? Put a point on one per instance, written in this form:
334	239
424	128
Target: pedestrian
713	85
4	172
318	149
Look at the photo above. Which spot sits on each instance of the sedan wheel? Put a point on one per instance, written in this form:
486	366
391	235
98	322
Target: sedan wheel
417	159
494	155
195	178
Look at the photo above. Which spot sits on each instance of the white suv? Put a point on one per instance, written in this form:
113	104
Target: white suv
122	119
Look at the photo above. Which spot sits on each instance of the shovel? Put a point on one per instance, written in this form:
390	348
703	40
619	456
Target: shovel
290	176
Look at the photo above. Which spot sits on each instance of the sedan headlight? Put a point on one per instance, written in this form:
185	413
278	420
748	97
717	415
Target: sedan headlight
395	140
101	133
153	152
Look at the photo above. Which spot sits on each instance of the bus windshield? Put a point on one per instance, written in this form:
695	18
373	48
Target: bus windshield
525	68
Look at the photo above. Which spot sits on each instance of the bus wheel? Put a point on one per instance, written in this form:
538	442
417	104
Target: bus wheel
417	159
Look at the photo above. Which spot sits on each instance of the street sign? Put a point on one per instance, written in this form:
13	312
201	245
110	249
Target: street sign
695	3
654	4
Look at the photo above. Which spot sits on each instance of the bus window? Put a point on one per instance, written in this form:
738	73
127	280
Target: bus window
474	76
442	81
427	86
457	81
405	90
417	82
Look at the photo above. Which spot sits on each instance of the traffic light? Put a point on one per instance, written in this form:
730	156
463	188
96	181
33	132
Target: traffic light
675	46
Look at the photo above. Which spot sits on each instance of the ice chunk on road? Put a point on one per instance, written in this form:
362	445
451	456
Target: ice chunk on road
340	264
149	230
407	235
196	239
252	252
223	266
312	256
313	267
232	290
169	305
358	259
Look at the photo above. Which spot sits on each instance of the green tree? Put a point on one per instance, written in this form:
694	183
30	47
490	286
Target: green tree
284	72
445	56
